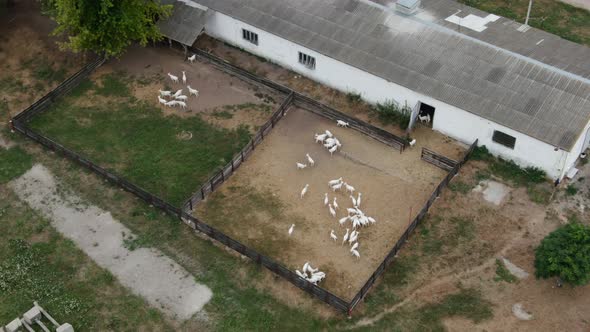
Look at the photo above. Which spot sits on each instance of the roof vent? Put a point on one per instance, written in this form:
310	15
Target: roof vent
407	7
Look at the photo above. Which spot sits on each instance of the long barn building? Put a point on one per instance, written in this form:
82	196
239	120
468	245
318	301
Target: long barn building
524	93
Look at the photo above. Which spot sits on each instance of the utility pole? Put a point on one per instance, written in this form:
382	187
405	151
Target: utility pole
528	13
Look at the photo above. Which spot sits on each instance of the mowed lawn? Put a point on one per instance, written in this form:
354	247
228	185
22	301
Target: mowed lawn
136	140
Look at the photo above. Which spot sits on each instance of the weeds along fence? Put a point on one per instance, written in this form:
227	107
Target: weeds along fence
411	227
224	173
65	87
438	160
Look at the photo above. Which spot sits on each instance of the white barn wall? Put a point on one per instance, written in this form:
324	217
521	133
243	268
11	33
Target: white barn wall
448	119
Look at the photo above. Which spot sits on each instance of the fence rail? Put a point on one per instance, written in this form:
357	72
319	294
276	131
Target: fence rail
19	124
438	160
411	227
224	173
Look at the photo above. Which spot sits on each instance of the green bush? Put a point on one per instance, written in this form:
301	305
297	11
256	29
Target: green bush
571	190
13	163
389	112
565	253
481	153
353	97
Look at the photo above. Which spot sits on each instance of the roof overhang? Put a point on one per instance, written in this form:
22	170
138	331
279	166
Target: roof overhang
186	22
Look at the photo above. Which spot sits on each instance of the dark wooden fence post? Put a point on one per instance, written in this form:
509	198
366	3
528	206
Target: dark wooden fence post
202	193
222	176
242	153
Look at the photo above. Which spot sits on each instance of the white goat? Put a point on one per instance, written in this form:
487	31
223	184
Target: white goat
183	77
341	123
320	138
353	236
329	134
424	118
326	200
291	229
354	246
342	221
304	190
355	253
333	149
332	211
164	93
192	91
334	182
305	267
353	201
162	100
192	58
337	142
345	238
333	235
349	188
358	200
181	103
304	276
171	103
329	145
181	97
371	220
177	93
301	166
337	187
311	162
335	204
413	142
351	210
173	78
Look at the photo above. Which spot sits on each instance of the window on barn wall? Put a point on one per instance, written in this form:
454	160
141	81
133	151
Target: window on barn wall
250	36
307	60
504	139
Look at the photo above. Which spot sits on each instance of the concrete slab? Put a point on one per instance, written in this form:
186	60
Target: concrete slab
493	192
146	272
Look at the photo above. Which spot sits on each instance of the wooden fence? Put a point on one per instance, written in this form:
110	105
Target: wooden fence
217	179
398	245
438	160
19	123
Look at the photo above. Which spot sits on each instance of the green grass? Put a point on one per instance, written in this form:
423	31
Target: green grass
539	194
353	97
467	303
222	114
113	85
571	190
82	88
12	85
37	264
389	112
44	72
553	16
460	187
502	273
13	163
138	142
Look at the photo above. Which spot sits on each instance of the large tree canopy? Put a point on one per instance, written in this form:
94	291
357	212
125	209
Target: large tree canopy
106	26
565	253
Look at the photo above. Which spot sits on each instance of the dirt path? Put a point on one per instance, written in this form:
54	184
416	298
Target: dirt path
147	272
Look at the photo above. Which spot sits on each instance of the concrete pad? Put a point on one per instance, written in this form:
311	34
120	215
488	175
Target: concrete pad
493	192
520	313
146	272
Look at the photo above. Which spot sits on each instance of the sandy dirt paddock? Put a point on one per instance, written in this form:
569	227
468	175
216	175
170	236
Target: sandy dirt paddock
223	99
394	187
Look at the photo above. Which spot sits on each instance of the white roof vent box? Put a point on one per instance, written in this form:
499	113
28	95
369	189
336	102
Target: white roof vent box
407	7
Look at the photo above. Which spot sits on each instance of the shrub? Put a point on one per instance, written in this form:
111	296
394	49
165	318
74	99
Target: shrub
571	190
565	253
353	97
389	112
481	153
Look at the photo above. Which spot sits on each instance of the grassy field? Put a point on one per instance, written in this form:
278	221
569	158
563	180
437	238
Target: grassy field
553	16
136	140
38	264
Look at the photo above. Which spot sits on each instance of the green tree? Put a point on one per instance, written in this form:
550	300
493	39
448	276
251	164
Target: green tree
106	26
565	253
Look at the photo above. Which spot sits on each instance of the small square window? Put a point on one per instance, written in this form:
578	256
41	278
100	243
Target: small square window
504	139
250	36
307	60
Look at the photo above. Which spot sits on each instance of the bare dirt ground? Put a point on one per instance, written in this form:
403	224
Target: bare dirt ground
26	53
510	229
223	99
391	185
147	272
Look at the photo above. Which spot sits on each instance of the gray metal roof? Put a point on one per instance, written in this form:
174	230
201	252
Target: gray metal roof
550	103
186	22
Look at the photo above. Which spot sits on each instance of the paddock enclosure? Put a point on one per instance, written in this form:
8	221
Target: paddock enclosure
259	203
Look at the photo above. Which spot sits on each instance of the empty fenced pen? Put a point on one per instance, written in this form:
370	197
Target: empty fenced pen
19	123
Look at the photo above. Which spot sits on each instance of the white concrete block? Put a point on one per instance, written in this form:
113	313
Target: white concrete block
66	327
14	326
32	315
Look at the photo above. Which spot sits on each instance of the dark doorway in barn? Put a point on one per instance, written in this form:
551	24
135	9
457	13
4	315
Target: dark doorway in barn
426	114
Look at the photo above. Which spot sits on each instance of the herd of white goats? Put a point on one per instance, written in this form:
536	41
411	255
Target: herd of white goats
354	214
177	98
